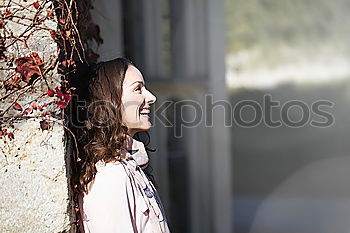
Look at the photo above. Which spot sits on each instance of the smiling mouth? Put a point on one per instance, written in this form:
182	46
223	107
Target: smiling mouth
145	111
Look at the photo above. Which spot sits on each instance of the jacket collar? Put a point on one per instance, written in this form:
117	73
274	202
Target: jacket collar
137	152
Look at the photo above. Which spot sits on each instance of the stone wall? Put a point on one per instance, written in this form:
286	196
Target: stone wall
34	188
33	182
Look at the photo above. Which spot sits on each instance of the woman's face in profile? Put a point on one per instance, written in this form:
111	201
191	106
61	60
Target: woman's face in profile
136	100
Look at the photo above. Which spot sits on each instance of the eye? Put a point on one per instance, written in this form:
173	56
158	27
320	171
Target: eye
138	88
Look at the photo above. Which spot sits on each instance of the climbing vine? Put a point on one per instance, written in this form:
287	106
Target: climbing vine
42	43
30	86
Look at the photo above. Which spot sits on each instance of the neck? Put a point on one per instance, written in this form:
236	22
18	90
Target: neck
131	132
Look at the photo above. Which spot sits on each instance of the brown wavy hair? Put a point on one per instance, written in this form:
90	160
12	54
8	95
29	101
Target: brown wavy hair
101	135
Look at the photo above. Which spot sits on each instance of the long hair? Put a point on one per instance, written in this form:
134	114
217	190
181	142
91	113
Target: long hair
102	134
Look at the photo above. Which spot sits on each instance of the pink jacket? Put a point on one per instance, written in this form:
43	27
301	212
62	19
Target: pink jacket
122	199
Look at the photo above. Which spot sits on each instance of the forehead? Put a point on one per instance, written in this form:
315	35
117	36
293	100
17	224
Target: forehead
132	75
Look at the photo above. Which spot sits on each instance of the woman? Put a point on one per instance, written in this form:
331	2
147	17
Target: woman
116	195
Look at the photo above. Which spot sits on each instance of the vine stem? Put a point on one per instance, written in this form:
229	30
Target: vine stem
70	131
52	120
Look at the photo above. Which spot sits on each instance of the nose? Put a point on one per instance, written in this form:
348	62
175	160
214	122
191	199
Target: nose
150	98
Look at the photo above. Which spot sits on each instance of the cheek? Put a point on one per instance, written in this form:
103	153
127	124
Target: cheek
132	99
131	104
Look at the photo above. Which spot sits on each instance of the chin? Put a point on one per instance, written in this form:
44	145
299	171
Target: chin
145	128
142	128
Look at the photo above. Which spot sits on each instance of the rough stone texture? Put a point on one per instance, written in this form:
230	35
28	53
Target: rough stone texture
33	182
34	189
39	41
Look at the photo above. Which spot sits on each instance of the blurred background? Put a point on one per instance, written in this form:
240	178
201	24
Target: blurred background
242	173
287	179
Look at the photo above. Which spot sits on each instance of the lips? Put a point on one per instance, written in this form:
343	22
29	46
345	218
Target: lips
145	111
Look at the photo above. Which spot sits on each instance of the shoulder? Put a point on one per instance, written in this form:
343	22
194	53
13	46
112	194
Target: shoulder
111	169
110	178
106	206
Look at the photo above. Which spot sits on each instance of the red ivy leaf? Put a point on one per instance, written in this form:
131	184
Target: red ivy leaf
17	106
50	14
50	93
53	35
40	108
8	14
36	5
66	98
27	68
59	93
11	84
69	64
44	125
17	79
29	110
61	104
10	136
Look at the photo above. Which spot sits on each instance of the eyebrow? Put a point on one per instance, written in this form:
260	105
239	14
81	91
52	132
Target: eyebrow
138	82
